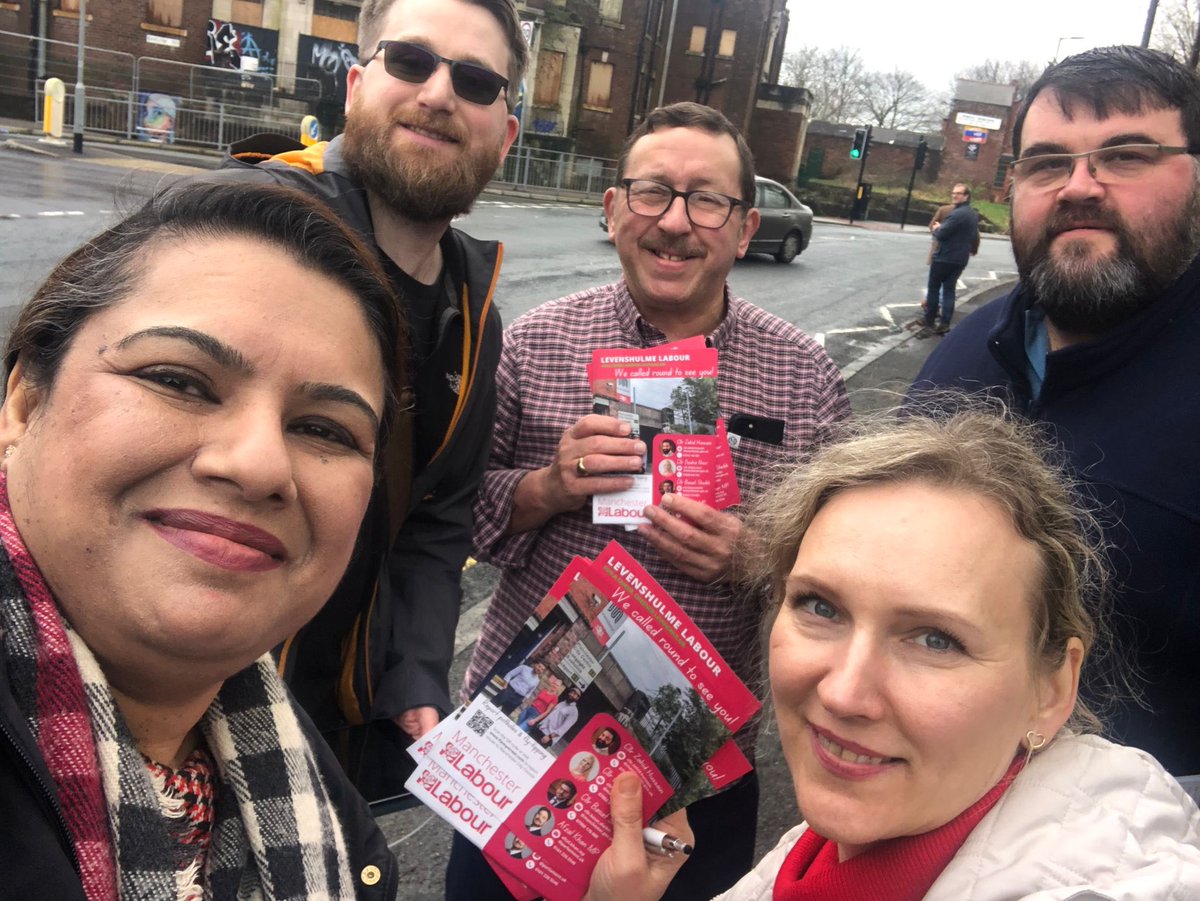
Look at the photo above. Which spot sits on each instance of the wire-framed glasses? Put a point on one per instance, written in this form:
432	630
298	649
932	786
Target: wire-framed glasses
1107	165
705	209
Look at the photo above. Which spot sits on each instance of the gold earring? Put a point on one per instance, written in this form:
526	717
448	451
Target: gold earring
1035	741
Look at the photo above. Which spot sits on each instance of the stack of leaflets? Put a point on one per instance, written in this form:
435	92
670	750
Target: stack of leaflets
668	395
617	677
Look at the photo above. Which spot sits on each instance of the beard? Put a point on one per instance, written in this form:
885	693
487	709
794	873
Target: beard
417	183
1085	292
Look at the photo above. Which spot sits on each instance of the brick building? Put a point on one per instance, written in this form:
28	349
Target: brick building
978	134
245	49
597	66
889	161
974	146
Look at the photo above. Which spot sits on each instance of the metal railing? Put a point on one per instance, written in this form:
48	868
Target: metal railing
206	123
528	168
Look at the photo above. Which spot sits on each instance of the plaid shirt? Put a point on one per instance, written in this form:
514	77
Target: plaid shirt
767	368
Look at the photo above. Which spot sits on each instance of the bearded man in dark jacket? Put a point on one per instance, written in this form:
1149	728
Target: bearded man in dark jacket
1099	342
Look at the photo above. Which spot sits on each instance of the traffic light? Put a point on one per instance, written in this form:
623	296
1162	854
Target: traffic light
919	160
859	150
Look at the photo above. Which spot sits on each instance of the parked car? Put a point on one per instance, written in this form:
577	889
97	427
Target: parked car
786	226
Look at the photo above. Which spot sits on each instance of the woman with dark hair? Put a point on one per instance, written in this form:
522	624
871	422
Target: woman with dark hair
195	403
933	581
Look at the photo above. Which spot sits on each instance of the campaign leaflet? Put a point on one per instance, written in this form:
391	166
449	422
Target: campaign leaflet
668	395
530	786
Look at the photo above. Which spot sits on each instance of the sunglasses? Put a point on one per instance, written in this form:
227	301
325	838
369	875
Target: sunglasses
413	63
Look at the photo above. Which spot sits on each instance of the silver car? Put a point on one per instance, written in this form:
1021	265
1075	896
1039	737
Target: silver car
786	225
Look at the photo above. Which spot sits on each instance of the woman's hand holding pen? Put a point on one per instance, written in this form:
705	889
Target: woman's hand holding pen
628	871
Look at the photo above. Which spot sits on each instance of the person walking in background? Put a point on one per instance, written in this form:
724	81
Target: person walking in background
956	239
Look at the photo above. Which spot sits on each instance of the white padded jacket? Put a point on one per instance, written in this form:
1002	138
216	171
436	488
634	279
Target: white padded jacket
1087	819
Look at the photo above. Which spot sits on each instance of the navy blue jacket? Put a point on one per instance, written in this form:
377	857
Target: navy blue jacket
1126	408
958	236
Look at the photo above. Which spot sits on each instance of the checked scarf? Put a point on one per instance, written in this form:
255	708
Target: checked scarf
276	835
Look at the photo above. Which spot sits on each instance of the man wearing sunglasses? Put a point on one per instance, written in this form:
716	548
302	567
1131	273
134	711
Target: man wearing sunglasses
1099	340
680	213
428	121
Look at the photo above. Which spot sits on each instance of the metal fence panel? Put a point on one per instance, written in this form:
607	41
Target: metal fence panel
529	168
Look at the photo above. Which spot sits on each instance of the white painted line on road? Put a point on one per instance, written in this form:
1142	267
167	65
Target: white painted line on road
819	337
861	328
885	313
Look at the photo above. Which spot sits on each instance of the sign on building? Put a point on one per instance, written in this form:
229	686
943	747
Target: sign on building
974	120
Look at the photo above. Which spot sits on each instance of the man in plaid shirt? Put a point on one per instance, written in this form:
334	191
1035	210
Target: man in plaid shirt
682	212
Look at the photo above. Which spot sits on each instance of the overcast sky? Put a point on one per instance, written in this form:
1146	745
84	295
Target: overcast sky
935	39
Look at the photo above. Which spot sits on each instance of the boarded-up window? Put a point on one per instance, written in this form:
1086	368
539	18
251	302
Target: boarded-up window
599	87
335	22
334	29
611	10
168	13
248	12
69	6
549	78
696	45
728	39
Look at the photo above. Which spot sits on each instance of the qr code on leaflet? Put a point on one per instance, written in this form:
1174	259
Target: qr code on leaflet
479	723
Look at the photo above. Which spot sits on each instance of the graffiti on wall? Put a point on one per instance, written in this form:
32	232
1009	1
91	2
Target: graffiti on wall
328	62
156	117
228	44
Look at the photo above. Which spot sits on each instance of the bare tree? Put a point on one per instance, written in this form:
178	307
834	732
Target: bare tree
1175	28
836	78
996	71
897	100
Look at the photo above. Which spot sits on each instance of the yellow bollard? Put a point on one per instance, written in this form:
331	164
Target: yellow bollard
52	109
310	130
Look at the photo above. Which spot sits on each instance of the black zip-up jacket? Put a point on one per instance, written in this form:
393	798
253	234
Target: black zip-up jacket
384	642
37	859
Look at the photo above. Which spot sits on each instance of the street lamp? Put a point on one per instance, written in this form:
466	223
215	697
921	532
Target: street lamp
1058	46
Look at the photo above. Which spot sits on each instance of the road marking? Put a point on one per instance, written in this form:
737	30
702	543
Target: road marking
861	328
819	337
55	213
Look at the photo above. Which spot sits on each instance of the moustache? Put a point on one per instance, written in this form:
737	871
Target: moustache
674	248
1069	217
438	125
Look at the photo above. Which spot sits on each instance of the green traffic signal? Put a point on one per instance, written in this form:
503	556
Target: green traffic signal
859	148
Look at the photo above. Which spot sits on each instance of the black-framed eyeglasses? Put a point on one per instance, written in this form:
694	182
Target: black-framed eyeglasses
1107	165
414	63
705	209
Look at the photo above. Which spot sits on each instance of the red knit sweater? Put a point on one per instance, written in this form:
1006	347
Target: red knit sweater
899	869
